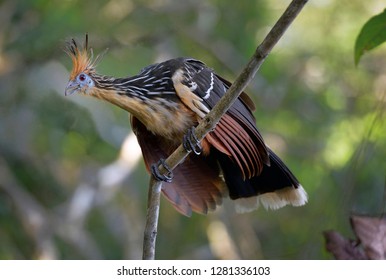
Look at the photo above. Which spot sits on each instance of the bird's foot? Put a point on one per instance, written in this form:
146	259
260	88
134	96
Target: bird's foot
191	142
168	177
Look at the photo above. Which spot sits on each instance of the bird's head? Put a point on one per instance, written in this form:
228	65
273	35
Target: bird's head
83	70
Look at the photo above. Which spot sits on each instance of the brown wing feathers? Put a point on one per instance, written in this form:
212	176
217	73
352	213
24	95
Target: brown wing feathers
230	135
236	133
196	185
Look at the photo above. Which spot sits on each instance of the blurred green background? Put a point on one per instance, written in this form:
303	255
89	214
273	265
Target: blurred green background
72	182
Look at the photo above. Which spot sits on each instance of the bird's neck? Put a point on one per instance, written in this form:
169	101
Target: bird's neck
130	94
122	92
131	86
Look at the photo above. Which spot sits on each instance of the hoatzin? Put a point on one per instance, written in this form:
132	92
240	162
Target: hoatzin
165	100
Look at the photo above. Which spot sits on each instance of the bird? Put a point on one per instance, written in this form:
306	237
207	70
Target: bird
165	102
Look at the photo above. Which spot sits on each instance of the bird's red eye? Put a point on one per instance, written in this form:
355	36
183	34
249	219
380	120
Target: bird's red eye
82	77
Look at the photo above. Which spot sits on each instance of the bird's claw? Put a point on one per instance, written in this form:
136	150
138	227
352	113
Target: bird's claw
168	177
191	142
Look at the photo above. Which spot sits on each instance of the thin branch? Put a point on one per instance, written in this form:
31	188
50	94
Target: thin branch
151	226
210	121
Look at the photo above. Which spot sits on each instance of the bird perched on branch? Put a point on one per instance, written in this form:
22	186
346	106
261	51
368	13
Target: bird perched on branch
166	101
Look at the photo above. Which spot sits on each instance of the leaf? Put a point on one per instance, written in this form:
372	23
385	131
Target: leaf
370	242
372	35
371	231
342	248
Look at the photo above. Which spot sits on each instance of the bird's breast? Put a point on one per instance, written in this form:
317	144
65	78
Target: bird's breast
166	117
169	119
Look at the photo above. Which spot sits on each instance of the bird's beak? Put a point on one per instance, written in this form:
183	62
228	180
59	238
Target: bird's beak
72	87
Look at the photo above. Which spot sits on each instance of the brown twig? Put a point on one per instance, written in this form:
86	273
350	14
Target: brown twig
210	121
151	226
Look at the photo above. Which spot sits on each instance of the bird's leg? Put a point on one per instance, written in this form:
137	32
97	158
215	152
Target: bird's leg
168	177
191	142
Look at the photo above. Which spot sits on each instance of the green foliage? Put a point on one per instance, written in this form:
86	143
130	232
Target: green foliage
372	35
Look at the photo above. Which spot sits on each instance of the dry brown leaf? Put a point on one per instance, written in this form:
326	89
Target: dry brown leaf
371	232
342	248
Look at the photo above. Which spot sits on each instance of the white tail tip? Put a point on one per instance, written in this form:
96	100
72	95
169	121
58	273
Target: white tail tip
273	200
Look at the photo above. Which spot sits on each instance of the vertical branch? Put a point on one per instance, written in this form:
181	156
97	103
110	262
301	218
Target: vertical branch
210	121
152	215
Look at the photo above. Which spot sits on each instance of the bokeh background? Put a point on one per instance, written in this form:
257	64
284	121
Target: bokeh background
72	180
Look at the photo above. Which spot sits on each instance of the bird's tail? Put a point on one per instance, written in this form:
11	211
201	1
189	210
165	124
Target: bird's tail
274	188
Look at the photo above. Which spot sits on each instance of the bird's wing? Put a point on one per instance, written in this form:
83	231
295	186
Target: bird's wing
236	135
196	183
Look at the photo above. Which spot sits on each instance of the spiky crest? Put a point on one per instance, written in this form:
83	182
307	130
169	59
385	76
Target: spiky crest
82	58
